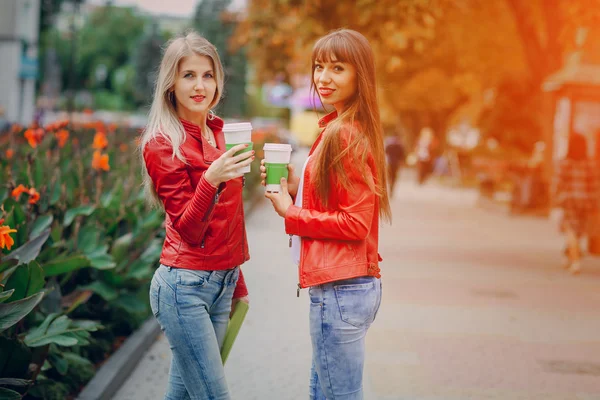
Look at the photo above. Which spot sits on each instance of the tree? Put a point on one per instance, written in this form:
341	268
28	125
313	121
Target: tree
435	58
146	62
216	24
106	43
428	52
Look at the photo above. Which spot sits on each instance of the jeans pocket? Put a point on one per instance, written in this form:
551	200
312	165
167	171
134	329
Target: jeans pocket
155	297
357	303
191	278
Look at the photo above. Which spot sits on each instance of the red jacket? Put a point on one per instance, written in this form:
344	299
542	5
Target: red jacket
340	242
204	225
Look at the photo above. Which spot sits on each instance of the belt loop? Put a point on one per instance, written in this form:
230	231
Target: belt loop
210	276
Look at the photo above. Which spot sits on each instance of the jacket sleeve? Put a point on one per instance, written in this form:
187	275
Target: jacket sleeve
351	220
188	208
240	289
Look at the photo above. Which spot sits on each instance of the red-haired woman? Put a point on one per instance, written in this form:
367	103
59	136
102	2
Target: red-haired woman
332	212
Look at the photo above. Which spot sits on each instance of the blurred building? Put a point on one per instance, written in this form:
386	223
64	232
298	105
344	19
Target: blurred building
19	22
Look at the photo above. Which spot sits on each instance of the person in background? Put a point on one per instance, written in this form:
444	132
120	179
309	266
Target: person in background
394	151
332	212
576	191
424	153
188	172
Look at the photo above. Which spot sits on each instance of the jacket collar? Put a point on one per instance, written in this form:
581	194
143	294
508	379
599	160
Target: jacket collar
216	125
323	122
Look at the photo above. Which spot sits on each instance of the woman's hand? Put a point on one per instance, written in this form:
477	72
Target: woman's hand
244	299
228	166
281	201
293	180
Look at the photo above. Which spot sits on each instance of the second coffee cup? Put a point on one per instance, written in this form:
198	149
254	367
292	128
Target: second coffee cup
277	158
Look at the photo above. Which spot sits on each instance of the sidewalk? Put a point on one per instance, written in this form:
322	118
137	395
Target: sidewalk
476	306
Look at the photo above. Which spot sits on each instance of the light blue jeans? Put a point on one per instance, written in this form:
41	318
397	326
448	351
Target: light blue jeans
340	314
192	308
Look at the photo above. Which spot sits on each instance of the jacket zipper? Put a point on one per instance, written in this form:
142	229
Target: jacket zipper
215	201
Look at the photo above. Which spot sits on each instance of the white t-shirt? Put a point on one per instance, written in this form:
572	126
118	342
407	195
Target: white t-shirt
296	240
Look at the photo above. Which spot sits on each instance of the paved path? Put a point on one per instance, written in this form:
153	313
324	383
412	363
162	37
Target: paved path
476	306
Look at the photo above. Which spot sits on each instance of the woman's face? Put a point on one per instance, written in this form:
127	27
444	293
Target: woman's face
335	82
195	87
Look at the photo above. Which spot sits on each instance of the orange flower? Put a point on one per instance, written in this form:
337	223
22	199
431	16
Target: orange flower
100	141
9	154
16	128
100	161
5	240
16	193
34	136
62	136
34	196
88	111
123	147
112	127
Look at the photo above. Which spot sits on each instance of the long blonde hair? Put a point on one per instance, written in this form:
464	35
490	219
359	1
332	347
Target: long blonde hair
351	47
162	119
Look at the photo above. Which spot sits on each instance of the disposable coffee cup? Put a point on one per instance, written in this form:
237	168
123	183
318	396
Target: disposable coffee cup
238	133
277	158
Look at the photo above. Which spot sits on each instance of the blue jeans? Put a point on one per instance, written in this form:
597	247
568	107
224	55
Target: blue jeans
192	308
340	314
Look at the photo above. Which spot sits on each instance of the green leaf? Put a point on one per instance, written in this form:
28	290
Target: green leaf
5	295
40	225
120	247
140	269
56	191
6	264
14	382
132	304
38	176
7	394
76	360
103	290
75	299
26	281
64	265
30	250
12	313
61	331
102	261
60	364
52	330
74	212
15	357
153	251
113	196
87	241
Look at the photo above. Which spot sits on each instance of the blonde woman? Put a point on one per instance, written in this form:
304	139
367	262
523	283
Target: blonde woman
332	213
189	173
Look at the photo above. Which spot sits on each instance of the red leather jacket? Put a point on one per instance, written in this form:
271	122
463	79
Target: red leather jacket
340	242
204	225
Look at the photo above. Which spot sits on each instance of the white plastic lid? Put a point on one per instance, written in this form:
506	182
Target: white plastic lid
238	126
277	147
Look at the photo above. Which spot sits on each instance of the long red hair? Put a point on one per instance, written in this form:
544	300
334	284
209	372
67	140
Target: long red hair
361	114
